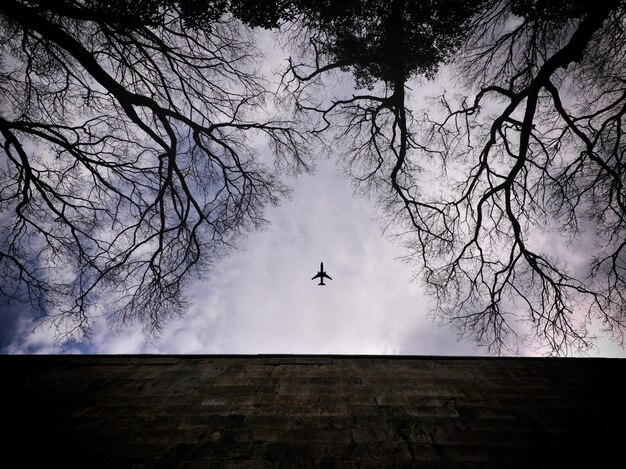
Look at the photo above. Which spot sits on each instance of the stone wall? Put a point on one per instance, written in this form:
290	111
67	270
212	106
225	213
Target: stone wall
313	411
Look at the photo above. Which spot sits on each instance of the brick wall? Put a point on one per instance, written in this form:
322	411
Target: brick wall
313	411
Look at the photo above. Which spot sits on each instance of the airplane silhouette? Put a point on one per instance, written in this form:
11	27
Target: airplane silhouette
321	274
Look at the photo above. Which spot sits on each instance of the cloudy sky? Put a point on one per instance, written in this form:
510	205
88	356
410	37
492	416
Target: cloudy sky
261	299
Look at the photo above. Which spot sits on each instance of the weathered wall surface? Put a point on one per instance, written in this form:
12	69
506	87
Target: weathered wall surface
313	411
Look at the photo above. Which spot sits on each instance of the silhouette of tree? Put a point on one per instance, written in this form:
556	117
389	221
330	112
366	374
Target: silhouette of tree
128	165
535	148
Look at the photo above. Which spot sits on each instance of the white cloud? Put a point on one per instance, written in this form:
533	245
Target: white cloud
262	299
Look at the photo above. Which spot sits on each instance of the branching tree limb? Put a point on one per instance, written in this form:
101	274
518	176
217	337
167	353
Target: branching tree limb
539	144
127	162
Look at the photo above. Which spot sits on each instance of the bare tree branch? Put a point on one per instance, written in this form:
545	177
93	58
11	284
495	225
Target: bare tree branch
128	167
528	163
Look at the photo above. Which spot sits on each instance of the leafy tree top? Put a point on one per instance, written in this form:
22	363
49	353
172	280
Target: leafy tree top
390	41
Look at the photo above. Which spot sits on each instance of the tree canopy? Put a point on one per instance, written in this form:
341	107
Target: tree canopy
127	163
546	155
380	40
131	162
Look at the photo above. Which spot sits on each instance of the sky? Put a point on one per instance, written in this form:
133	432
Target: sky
261	299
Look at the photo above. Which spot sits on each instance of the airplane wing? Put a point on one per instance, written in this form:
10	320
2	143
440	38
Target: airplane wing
319	274
327	276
